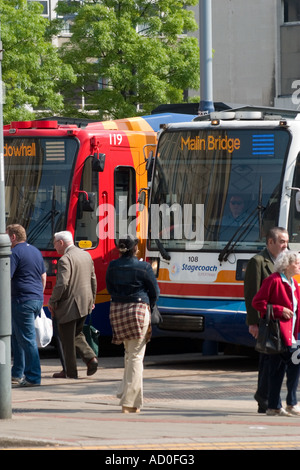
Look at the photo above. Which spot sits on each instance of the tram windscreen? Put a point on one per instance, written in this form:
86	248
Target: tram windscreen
38	173
227	180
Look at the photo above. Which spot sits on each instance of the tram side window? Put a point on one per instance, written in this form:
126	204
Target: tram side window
86	220
294	215
125	201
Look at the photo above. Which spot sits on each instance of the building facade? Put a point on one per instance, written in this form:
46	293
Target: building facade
256	45
256	57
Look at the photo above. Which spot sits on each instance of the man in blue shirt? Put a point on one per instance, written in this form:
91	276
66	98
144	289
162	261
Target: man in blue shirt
28	280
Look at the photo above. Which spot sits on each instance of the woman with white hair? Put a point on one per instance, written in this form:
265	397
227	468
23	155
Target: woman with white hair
282	292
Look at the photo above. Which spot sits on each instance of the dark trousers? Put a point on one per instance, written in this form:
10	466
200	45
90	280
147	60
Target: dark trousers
58	344
279	364
73	340
263	377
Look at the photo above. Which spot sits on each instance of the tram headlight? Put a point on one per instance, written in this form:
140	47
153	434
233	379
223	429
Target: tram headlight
155	265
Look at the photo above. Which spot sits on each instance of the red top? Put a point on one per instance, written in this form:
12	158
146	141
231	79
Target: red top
279	293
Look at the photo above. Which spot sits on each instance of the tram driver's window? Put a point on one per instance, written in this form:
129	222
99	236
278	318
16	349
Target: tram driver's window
125	200
86	220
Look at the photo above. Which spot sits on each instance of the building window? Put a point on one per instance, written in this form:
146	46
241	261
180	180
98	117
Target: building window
291	11
45	11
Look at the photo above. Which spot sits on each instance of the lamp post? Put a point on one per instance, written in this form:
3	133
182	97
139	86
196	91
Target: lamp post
206	105
5	297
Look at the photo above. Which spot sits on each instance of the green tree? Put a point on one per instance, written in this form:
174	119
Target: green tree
129	54
31	67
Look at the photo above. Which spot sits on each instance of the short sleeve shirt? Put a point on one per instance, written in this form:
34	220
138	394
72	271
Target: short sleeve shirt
26	267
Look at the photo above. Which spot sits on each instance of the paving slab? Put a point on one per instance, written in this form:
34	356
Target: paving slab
191	402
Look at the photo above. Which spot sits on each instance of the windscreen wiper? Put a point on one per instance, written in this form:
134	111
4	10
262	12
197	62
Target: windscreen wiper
49	217
230	245
162	250
39	228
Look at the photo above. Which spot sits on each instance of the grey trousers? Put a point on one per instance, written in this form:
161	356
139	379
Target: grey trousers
73	340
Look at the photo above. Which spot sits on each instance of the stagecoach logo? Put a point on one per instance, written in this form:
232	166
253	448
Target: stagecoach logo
20	151
199	268
175	269
191	269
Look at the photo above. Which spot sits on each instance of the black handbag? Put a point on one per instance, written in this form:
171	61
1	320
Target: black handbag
269	339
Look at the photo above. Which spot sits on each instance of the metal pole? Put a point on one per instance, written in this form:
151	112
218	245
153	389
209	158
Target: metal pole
206	81
5	292
206	104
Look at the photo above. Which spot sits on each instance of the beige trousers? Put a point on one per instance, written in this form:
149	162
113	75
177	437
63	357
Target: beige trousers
131	388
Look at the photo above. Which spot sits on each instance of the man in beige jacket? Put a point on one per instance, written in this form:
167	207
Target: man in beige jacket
72	300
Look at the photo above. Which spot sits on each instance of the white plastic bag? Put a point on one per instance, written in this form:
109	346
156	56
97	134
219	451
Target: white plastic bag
43	329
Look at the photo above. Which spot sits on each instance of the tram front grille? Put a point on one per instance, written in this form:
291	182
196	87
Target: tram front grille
182	323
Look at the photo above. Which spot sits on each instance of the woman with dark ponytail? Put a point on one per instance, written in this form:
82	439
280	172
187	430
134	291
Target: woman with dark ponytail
133	289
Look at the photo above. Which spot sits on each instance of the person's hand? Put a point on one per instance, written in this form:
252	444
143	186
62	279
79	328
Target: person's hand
287	313
253	330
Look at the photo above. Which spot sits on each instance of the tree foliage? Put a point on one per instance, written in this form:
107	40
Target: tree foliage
31	66
129	54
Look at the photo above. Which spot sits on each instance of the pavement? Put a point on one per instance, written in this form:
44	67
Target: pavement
191	402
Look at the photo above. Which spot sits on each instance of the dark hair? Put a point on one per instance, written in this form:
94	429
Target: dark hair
127	245
274	232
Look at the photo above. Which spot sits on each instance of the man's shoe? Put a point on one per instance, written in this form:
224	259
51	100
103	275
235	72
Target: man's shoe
261	410
16	380
262	403
92	366
25	383
59	375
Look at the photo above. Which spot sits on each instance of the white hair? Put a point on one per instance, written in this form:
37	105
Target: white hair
65	236
284	259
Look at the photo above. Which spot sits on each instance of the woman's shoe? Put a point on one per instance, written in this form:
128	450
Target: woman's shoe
129	409
293	410
280	412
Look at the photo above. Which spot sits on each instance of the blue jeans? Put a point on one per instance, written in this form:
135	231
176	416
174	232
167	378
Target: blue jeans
279	364
24	346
